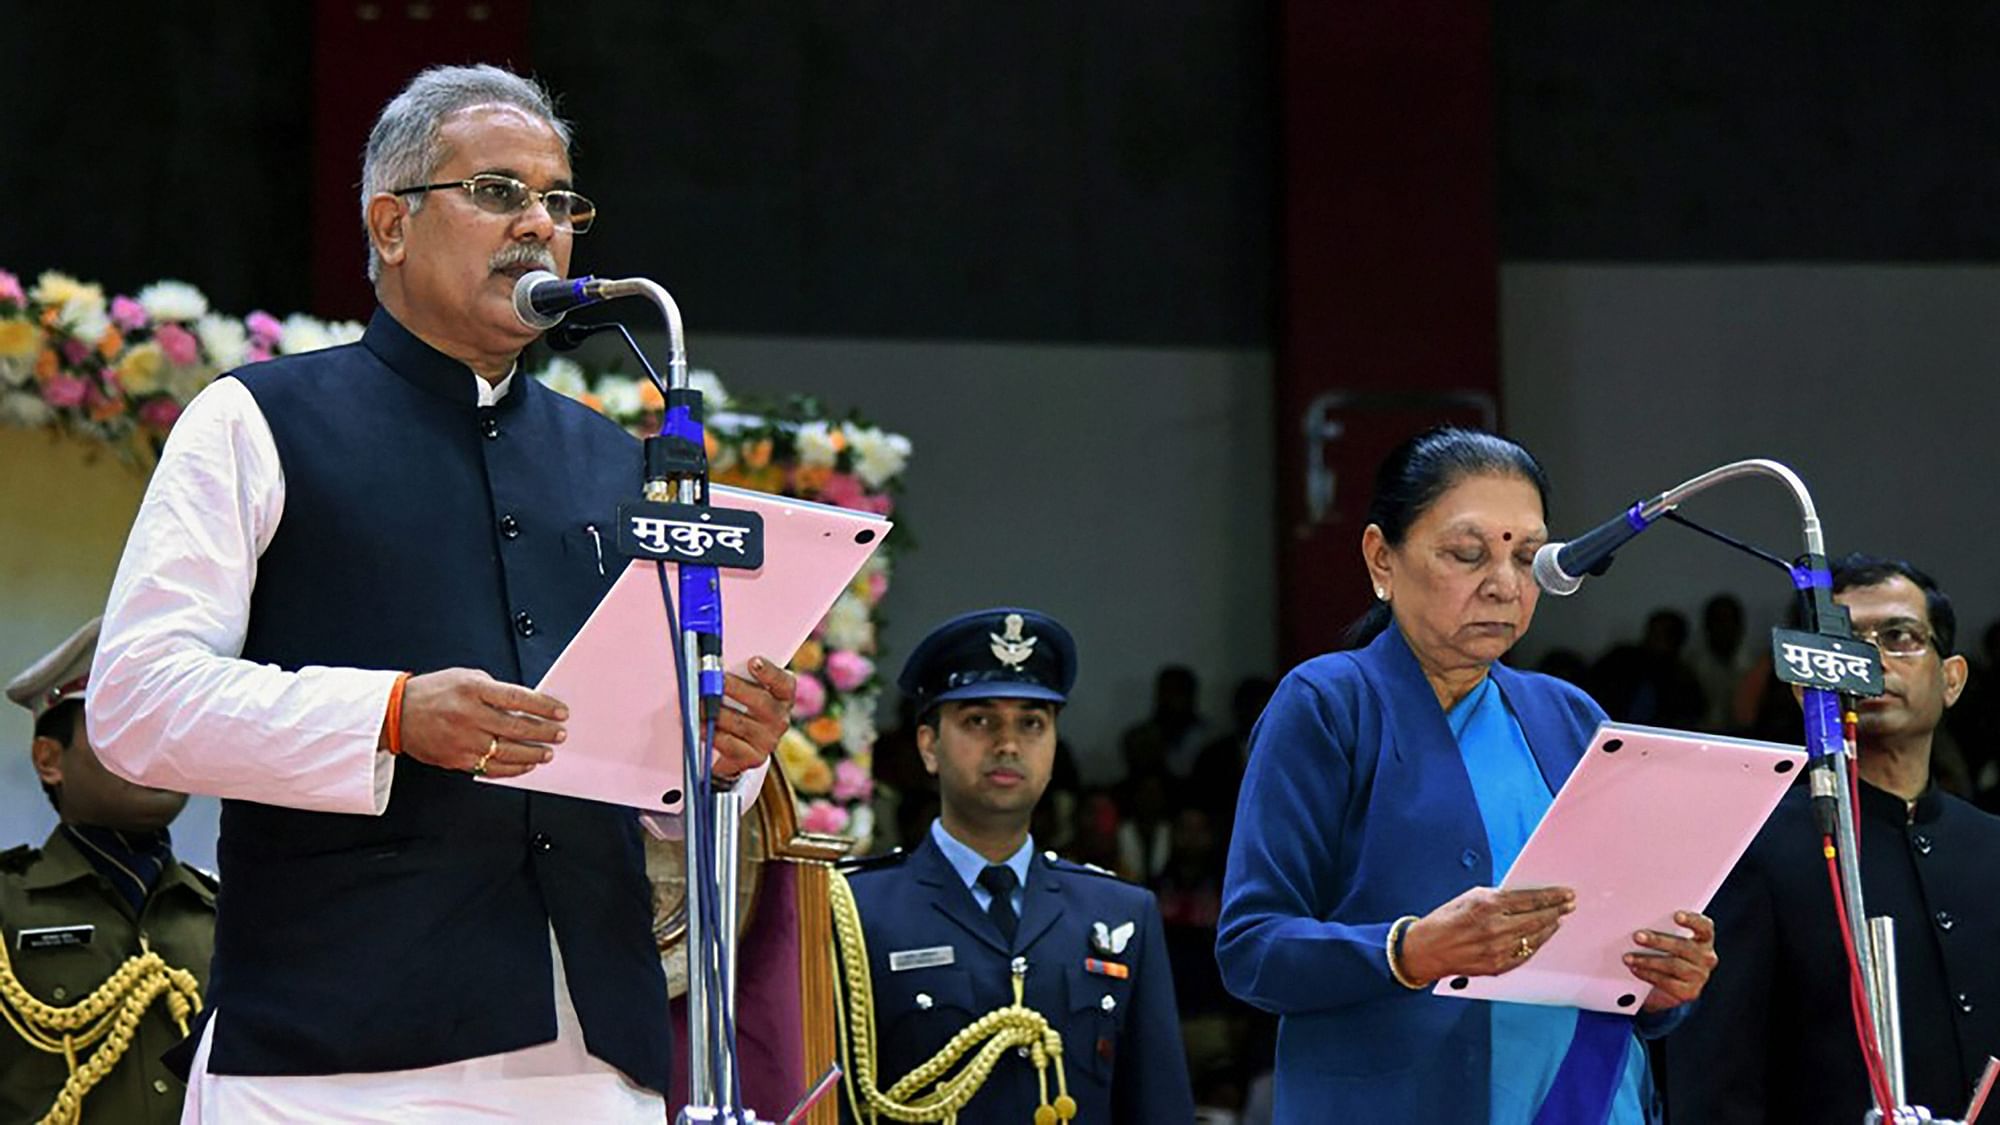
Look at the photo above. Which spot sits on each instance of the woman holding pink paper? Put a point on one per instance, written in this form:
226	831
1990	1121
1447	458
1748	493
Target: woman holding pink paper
1388	788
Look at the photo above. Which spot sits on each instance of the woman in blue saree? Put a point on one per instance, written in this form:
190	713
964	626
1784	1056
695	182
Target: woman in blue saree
1388	788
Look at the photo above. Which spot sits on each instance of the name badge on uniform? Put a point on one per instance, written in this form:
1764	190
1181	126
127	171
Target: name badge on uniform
921	958
54	937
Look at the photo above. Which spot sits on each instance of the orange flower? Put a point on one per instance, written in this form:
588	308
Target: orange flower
810	656
809	479
650	399
106	409
770	478
112	344
51	316
824	730
733	477
593	402
46	365
709	445
757	454
815	778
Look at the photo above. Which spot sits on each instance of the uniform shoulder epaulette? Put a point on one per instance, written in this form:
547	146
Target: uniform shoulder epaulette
18	859
855	863
206	878
1079	866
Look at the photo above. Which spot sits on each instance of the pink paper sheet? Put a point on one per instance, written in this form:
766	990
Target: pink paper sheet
617	675
1646	829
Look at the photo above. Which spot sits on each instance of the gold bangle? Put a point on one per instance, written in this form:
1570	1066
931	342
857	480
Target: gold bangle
1391	951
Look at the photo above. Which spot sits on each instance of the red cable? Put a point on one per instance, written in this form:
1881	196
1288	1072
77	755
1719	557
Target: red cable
1864	1029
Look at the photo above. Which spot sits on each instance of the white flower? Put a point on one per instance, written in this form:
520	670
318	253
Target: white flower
862	825
301	333
848	625
224	339
25	408
857	724
173	300
16	371
345	331
713	395
85	322
186	381
564	376
620	397
817	449
878	563
878	457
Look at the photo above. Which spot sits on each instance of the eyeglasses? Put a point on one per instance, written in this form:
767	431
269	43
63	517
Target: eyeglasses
505	195
1898	639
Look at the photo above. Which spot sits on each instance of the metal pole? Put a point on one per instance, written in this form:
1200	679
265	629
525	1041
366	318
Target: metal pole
1888	1021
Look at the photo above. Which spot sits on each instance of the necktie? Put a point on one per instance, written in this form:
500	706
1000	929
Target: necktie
1000	882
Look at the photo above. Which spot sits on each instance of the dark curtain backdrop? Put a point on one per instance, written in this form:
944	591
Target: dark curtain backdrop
1039	171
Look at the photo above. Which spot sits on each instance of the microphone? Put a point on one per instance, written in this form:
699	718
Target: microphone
541	299
1560	568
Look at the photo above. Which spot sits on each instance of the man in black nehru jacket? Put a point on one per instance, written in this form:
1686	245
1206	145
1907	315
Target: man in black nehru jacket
1772	1041
346	566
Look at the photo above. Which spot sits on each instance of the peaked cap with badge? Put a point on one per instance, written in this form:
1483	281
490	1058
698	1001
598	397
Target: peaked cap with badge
87	944
60	676
1004	653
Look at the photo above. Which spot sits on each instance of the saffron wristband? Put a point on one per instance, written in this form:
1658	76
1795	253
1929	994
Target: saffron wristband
393	722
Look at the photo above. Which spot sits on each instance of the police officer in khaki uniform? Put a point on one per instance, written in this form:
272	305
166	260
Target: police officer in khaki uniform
107	935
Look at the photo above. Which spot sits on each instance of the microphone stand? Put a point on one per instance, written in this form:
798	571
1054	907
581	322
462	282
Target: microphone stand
677	473
1831	748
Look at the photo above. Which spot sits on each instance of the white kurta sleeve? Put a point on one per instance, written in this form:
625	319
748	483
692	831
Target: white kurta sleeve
171	702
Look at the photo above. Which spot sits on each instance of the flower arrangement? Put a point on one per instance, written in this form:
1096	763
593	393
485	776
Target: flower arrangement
793	449
119	370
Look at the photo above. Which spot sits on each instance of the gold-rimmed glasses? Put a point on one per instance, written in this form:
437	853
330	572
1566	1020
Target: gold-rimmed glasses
505	195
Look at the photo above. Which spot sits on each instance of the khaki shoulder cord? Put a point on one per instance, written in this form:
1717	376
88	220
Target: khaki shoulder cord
111	1014
1001	1029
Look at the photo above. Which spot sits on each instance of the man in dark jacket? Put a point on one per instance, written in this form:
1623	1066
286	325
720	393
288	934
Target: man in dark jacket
1773	1041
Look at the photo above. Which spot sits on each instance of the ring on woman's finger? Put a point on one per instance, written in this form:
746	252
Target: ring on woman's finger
492	748
1524	950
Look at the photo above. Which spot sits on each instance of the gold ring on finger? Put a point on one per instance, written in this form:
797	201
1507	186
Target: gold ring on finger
493	747
1524	950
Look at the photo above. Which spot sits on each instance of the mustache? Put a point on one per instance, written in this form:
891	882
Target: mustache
524	254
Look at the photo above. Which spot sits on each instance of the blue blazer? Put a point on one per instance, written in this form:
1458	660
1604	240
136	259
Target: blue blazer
1356	810
1121	1036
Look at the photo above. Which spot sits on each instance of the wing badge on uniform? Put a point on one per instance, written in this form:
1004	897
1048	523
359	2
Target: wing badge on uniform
1011	648
1111	942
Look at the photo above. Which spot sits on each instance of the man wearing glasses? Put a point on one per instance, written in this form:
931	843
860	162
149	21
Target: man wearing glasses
1772	1040
346	565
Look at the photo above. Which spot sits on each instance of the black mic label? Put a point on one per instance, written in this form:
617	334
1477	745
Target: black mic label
691	534
1816	660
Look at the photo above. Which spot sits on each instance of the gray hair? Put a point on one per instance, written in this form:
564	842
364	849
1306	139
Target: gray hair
403	148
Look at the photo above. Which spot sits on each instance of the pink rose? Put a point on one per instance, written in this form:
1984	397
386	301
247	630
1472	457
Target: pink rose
179	344
851	782
160	414
10	289
76	351
878	585
127	313
882	504
65	391
809	697
264	329
258	353
843	490
848	670
823	817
